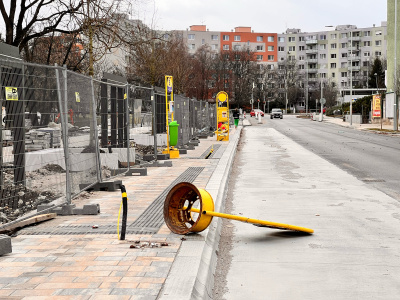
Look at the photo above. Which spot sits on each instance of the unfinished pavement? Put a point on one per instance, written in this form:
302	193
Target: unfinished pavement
67	258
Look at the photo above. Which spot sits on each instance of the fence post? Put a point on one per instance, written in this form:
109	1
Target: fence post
64	128
127	127
96	134
153	107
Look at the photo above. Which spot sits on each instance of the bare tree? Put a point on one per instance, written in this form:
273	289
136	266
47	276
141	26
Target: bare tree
289	81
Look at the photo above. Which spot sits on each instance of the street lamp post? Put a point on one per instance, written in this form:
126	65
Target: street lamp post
351	77
252	99
395	120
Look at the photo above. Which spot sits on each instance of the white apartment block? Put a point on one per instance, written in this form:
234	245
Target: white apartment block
332	55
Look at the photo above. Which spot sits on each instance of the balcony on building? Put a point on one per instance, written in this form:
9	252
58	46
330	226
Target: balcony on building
354	68
311	51
353	57
313	79
312	60
355	38
311	42
312	70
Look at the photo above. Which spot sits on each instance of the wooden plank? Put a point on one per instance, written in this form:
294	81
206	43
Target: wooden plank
30	221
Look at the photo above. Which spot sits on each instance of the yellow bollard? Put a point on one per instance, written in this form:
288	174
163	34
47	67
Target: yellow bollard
182	217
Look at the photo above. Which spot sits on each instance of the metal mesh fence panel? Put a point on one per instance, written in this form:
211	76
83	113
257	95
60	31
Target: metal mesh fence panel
82	137
32	162
182	117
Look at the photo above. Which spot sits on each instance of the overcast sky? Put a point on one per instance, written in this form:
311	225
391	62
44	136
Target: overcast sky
261	15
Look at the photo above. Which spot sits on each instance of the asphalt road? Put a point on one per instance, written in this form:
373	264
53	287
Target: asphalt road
289	171
371	157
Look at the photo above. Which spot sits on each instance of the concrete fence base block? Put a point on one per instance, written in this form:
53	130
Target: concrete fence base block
182	151
162	156
5	244
190	147
194	142
203	136
137	171
148	157
88	209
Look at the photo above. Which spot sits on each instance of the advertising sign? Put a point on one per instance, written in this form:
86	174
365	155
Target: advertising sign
376	106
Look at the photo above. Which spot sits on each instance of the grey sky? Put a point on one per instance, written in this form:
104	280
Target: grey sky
261	15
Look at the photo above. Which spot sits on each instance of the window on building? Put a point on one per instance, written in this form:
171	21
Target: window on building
203	41
259	57
260	48
301	67
333	46
333	75
302	48
236	47
333	55
322	75
192	46
322	47
344	74
270	67
366	63
270	57
259	38
367	43
237	38
366	54
343	64
281	49
214	37
378	43
225	37
378	32
190	37
344	54
333	36
322	56
367	33
333	65
343	45
301	38
281	39
343	35
322	37
301	57
292	48
292	39
225	47
271	39
270	48
378	53
214	47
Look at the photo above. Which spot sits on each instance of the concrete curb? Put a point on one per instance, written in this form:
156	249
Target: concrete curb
192	273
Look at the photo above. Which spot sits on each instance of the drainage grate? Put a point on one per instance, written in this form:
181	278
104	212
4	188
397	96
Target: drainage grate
149	222
216	147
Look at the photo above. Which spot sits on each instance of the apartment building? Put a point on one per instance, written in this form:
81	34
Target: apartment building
263	44
335	54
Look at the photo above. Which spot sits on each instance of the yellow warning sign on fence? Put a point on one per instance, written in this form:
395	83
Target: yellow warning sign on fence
11	93
77	97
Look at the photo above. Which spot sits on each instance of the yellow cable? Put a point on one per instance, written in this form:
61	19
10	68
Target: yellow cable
119	215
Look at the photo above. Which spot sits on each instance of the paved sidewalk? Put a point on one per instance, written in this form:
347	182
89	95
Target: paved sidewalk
369	126
48	263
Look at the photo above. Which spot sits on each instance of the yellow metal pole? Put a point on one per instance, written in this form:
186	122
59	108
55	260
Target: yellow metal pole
253	221
166	110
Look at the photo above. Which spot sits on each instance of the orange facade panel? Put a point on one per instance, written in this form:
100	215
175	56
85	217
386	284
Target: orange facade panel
266	43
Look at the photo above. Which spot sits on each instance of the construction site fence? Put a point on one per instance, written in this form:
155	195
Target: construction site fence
63	132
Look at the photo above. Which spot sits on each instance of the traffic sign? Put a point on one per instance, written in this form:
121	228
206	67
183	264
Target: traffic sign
322	101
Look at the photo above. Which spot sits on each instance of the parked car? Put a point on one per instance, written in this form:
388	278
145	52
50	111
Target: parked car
256	111
276	113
